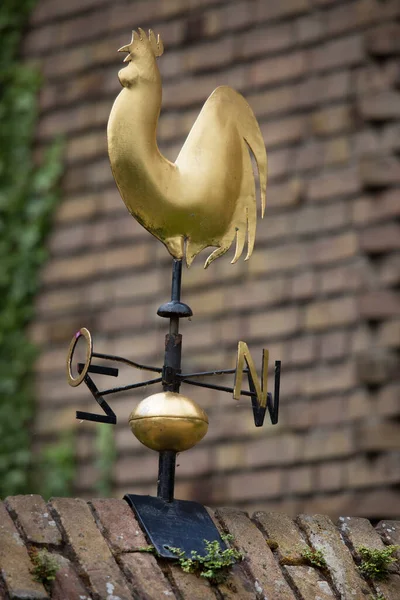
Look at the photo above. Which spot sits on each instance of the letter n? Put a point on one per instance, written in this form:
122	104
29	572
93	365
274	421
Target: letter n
260	389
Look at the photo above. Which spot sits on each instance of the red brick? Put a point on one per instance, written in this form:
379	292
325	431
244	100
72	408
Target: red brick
368	473
274	70
383	40
383	238
375	503
322	444
351	16
383	106
335	183
372	78
89	547
275	450
308	581
332	120
236	15
273	10
190	587
273	323
310	28
258	484
49	9
333	86
330	313
259	558
34	519
338	53
389	334
333	248
205	57
15	562
118	524
391	137
281	530
328	411
303	350
377	208
329	476
387	402
379	171
390	532
264	40
283	132
286	194
303	285
379	304
299	480
324	537
67	583
336	151
334	345
237	585
145	575
375	437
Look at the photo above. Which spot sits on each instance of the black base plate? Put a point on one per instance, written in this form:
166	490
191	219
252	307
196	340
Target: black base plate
178	524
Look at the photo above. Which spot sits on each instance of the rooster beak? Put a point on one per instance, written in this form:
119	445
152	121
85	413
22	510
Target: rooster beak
126	49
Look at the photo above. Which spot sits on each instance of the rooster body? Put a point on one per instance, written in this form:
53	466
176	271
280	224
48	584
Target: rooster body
207	197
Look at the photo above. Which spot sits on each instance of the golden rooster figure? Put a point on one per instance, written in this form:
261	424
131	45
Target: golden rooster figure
207	197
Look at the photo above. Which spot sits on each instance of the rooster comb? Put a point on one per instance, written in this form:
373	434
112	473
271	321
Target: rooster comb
139	36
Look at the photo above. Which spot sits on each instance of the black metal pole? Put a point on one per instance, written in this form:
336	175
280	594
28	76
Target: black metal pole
171	383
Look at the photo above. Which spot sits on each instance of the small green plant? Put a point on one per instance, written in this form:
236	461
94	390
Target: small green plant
375	563
214	566
150	549
45	566
314	558
378	596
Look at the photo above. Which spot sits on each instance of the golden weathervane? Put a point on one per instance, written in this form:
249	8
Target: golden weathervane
208	196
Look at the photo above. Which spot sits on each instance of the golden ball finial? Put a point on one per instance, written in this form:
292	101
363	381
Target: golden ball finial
168	421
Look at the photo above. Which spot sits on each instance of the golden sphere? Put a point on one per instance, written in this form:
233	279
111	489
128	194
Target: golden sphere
168	421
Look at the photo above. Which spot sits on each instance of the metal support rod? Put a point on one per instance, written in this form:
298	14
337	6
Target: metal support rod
172	365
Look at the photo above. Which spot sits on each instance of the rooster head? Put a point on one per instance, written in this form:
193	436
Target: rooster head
141	48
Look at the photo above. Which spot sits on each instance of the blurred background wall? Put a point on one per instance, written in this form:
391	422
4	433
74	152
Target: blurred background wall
321	290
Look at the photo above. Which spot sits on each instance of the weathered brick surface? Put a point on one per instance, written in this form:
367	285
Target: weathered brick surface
281	531
323	536
67	583
15	564
145	577
269	580
119	525
321	289
35	520
359	532
90	548
309	583
271	544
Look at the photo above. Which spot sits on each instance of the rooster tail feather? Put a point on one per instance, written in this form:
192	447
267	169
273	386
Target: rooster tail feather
250	131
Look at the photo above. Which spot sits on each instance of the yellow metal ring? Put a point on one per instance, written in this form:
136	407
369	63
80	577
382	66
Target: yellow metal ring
75	381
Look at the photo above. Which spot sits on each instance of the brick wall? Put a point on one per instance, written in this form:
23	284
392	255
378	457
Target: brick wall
321	290
98	546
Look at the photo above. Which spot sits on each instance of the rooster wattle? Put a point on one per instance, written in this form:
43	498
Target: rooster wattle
208	196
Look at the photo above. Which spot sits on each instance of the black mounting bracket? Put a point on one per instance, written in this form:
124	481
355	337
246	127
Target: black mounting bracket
178	524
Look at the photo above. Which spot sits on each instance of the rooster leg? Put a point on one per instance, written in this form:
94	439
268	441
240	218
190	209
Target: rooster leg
175	246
